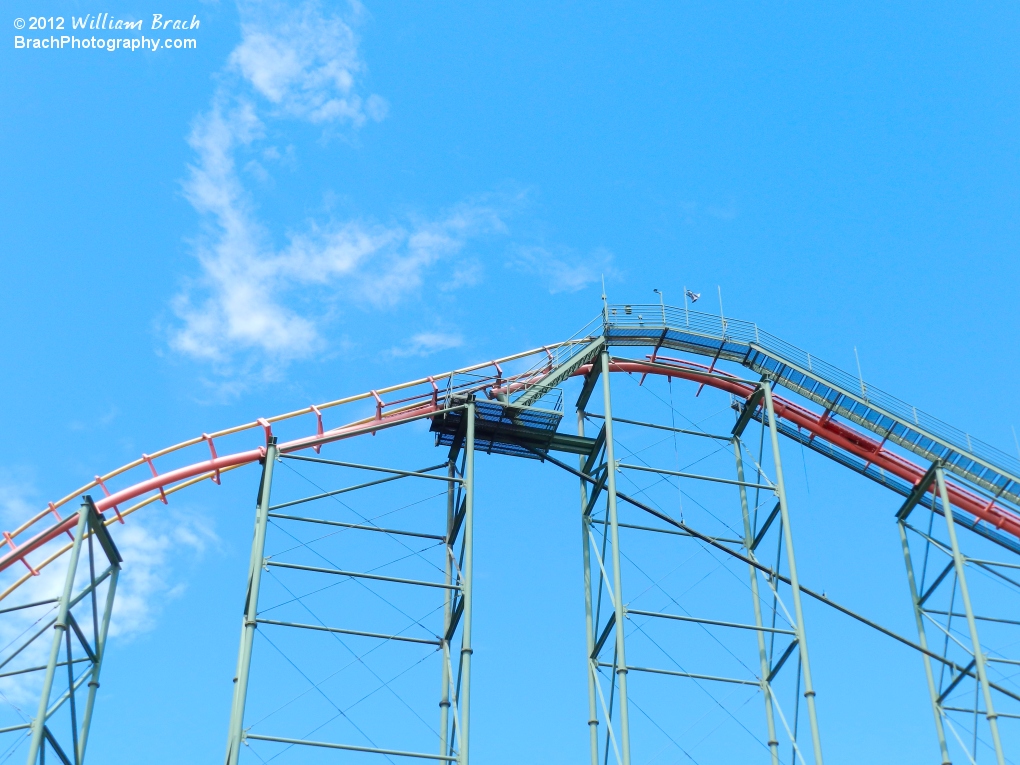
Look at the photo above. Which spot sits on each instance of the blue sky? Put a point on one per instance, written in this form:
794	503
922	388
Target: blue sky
322	199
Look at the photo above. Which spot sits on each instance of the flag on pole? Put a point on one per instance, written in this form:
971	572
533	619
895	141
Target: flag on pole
693	296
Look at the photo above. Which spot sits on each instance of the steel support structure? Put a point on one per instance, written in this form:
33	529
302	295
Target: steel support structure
608	583
452	643
764	654
616	594
922	639
458	605
256	562
943	603
606	610
791	561
80	627
962	628
589	624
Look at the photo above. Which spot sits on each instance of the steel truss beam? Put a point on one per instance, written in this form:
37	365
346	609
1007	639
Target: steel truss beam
846	395
950	581
235	735
359	466
589	625
616	596
894	483
595	348
771	573
455	689
605	578
598	466
352	748
787	534
751	541
70	638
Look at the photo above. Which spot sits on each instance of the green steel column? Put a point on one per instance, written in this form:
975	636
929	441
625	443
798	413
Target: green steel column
593	713
258	551
59	628
97	667
620	613
784	512
979	657
464	699
763	654
922	640
444	701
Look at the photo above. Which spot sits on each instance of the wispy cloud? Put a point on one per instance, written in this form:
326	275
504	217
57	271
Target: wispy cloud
17	498
154	547
304	62
427	343
563	270
293	63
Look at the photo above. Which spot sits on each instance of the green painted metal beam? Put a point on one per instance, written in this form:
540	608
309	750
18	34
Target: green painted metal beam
562	372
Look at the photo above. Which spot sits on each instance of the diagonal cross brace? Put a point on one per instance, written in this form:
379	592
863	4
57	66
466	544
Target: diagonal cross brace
779	577
56	747
936	583
919	490
99	530
561	373
597	489
782	660
765	527
596	451
956	681
589	386
749	408
604	636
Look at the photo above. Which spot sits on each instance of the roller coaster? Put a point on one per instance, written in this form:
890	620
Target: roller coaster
359	598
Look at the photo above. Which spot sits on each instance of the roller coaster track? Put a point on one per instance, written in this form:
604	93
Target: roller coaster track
986	489
513	406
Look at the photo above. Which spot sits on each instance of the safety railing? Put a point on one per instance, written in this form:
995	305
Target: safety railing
306	422
918	431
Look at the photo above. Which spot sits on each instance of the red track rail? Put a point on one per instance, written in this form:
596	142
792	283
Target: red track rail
163	480
838	434
820	425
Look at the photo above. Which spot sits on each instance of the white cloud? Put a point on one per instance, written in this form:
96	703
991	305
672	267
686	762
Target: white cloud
563	271
427	343
245	282
303	61
17	499
299	63
464	273
154	548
